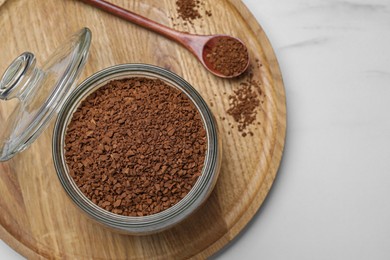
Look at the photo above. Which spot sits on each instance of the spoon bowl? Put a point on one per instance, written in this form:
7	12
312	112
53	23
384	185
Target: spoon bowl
228	56
204	47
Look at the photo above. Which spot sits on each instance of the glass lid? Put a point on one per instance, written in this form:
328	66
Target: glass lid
33	95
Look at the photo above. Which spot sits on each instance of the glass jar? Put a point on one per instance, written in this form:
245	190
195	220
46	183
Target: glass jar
162	220
41	92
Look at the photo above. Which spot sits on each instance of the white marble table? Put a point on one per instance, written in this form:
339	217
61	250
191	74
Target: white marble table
331	199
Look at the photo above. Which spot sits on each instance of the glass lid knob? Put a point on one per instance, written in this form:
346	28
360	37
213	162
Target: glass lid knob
17	76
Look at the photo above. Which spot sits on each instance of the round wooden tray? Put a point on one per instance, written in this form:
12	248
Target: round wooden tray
38	220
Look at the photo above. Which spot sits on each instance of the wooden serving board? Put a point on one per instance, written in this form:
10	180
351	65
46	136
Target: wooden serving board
36	217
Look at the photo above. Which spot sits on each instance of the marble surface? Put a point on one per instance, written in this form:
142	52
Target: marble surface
331	199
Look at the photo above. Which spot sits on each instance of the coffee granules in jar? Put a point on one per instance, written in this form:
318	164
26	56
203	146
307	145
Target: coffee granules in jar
135	146
228	56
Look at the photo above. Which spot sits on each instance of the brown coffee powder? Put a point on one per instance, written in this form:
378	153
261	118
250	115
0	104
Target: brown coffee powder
245	102
136	146
190	10
228	56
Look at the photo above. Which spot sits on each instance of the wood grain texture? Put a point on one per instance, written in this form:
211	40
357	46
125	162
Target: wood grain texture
39	221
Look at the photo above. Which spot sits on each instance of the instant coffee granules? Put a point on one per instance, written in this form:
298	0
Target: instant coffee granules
228	56
189	10
245	102
136	146
243	105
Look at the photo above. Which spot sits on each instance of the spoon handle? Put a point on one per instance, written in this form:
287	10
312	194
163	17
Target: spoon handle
140	20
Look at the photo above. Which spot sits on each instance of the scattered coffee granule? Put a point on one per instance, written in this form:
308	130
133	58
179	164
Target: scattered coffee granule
136	146
243	105
245	102
228	56
190	10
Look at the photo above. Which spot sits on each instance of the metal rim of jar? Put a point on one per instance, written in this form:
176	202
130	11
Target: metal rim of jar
164	219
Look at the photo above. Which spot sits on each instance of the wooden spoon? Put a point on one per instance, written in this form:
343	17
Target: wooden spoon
199	45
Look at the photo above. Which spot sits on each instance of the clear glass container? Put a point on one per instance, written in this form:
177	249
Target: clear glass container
171	216
41	93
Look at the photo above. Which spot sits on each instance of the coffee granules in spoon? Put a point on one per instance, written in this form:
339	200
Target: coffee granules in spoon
228	56
136	146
